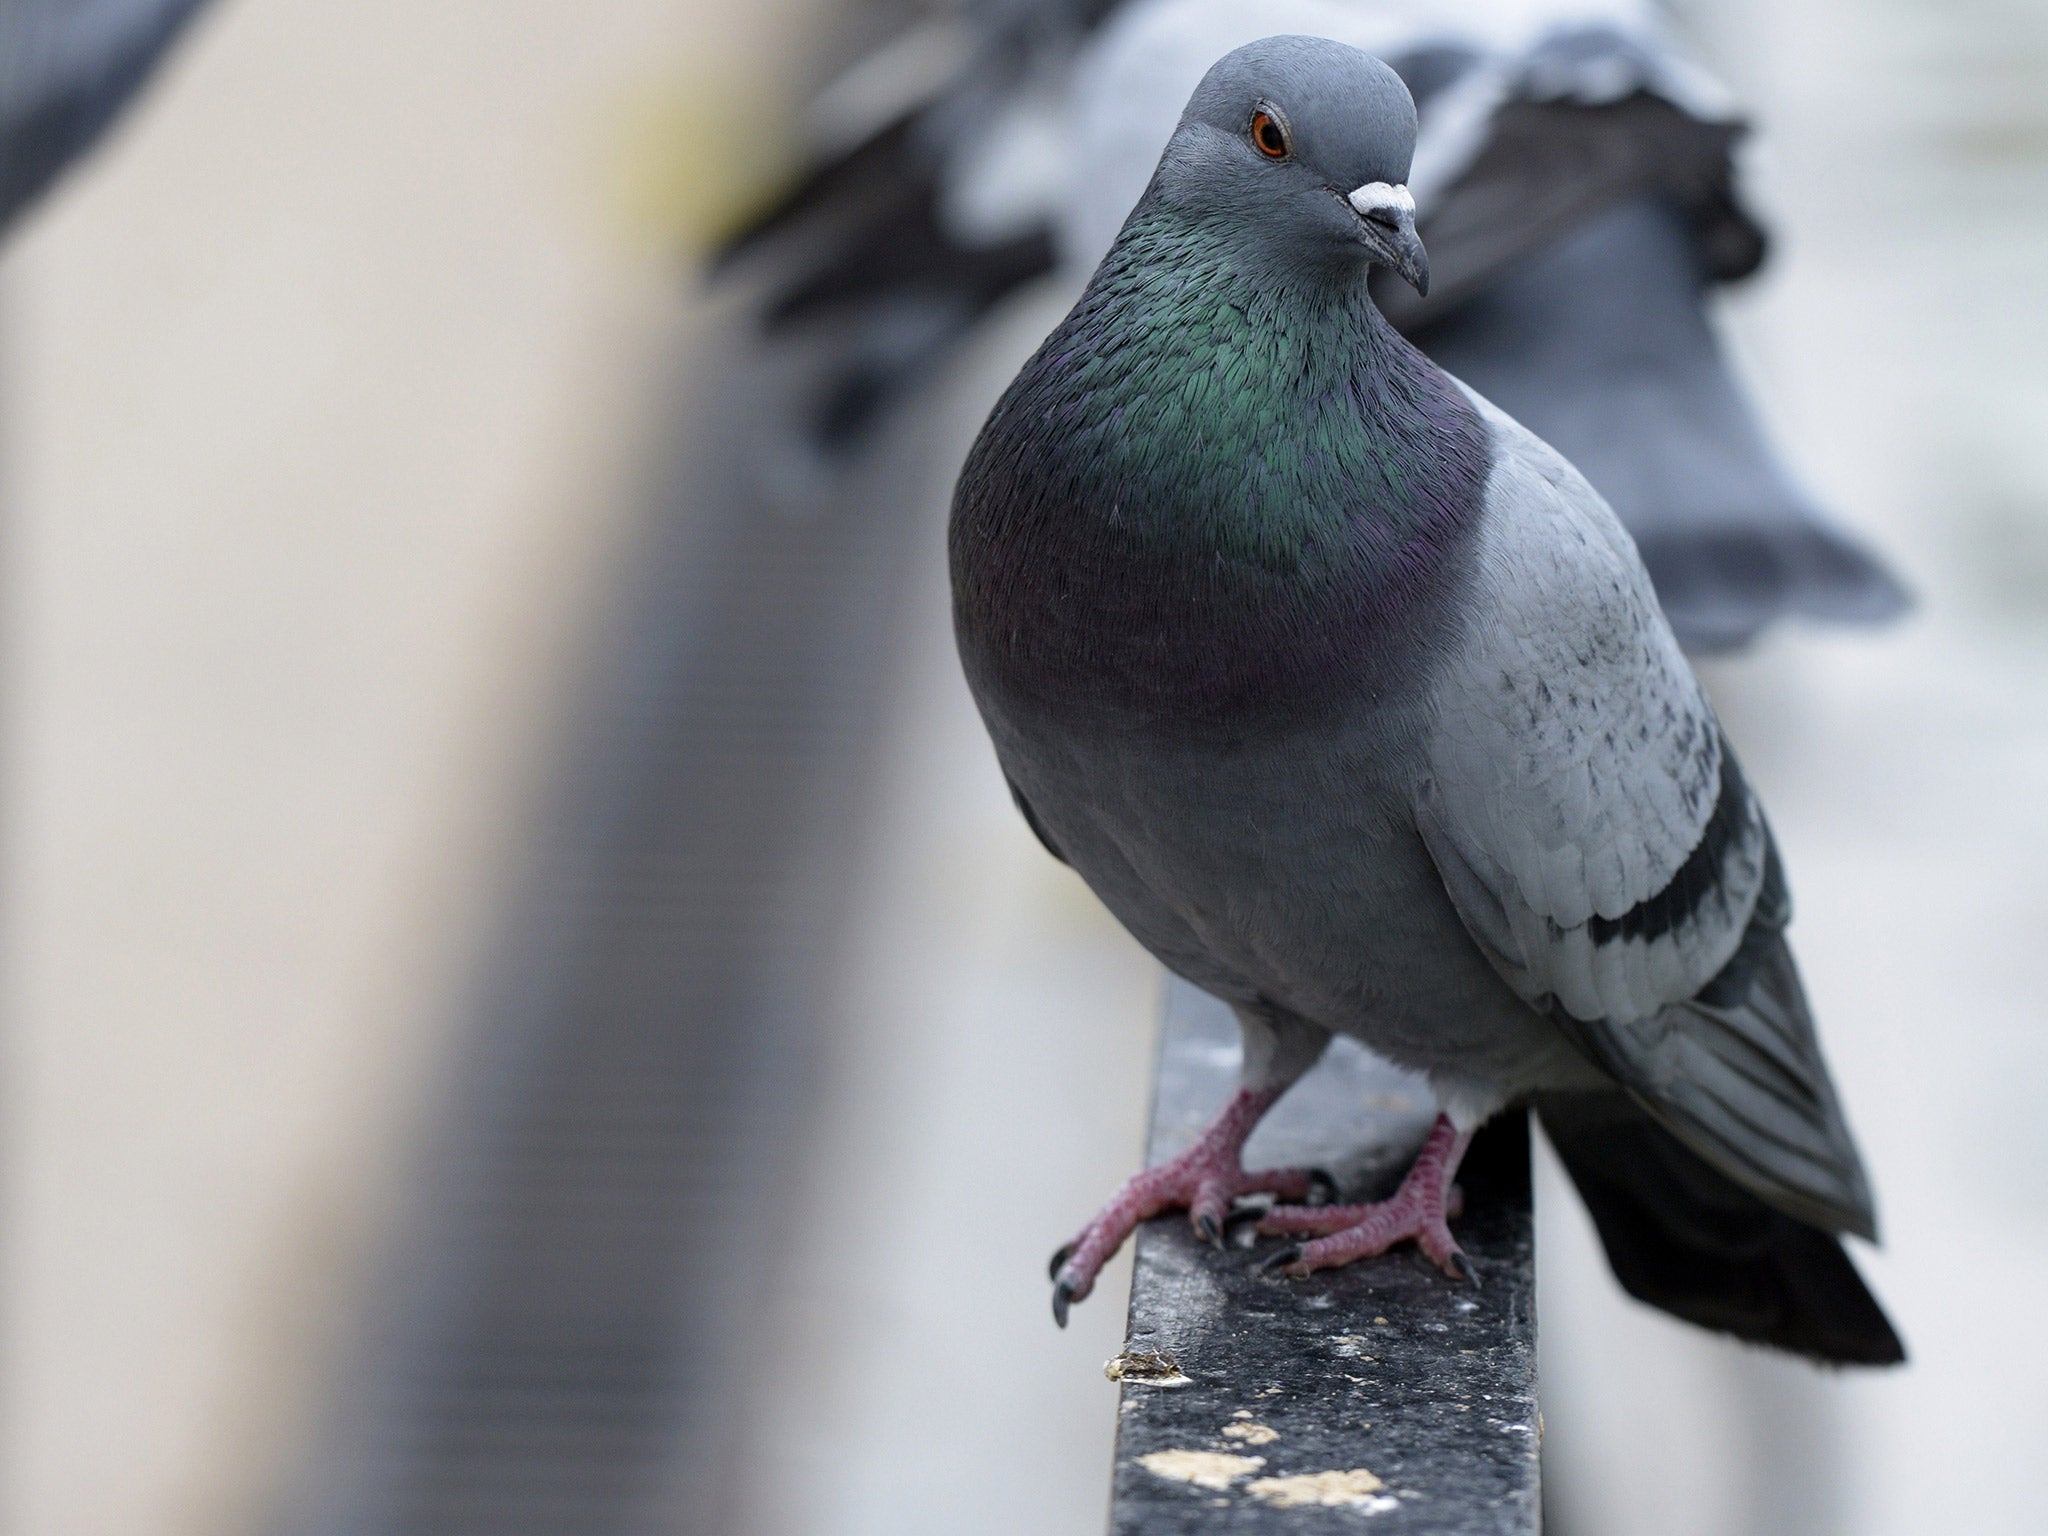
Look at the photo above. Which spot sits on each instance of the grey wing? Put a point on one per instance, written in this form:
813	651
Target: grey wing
1597	837
1572	263
67	67
918	211
1547	166
1603	344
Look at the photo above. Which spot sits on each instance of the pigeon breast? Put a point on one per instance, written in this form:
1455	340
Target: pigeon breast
1207	503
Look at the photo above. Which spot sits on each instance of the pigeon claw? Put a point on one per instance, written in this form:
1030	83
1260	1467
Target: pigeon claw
1420	1209
1059	1260
1205	1179
1286	1257
1243	1221
1063	1296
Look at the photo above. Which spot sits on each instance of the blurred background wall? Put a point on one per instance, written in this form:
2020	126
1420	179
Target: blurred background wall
333	396
327	388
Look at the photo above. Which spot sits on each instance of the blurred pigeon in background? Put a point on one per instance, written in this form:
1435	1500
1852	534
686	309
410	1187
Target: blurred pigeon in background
1575	179
67	68
1351	700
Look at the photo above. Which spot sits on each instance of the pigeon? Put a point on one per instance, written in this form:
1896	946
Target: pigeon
1576	179
1352	701
67	68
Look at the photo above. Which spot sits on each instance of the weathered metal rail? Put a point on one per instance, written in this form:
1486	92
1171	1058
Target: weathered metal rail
1381	1393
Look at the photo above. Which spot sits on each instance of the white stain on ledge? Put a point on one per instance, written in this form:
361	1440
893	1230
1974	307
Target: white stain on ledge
1153	1367
1250	1432
1355	1489
1205	1469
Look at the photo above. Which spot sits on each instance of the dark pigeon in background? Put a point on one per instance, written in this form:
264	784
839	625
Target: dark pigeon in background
1352	701
67	68
1576	182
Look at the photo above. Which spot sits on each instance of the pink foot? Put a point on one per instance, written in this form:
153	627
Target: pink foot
1421	1208
1205	1179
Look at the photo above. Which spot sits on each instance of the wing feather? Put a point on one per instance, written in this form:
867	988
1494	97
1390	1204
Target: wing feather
1596	834
1578	772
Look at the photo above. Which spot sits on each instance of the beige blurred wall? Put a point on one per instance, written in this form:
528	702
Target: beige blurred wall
322	395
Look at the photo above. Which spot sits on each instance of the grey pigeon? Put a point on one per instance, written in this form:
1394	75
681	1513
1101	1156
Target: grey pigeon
1352	700
67	68
1576	179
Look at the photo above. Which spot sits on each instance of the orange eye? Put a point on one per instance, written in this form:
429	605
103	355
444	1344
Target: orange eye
1269	134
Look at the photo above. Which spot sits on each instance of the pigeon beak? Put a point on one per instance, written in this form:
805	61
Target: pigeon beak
1388	215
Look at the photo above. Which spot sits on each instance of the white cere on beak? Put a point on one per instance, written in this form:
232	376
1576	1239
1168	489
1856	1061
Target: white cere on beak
1382	197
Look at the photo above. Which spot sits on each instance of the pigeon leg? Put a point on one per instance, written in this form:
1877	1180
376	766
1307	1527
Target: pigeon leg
1205	1179
1421	1208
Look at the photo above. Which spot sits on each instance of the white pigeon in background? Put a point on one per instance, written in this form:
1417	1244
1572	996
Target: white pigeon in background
1576	184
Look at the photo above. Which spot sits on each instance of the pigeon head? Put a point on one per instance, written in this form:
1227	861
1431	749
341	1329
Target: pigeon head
1299	148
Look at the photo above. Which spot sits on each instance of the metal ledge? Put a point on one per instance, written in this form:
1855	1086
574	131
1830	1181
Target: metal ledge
1382	1394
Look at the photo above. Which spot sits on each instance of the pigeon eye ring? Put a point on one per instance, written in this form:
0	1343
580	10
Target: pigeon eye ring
1268	130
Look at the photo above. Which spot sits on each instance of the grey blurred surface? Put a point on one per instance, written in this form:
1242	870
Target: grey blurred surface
324	393
561	1324
986	1074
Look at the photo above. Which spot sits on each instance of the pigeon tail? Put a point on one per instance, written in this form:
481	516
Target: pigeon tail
1721	588
1687	1240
